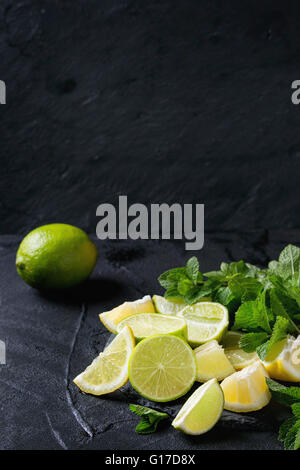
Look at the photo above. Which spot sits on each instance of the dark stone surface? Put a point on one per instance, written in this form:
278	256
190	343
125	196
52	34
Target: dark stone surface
51	338
166	101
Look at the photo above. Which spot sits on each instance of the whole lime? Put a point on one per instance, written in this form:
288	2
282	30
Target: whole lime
56	256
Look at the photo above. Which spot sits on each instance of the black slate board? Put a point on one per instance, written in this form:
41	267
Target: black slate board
51	338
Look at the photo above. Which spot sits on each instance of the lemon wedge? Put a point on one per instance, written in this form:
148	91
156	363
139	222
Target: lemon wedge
212	362
109	371
286	363
237	356
202	410
113	317
247	389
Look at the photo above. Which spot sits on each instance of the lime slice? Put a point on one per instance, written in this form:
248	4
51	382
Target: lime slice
173	306
205	321
202	410
150	324
231	339
212	362
162	368
111	319
166	306
109	371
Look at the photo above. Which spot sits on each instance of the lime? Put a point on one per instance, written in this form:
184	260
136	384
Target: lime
111	318
162	368
212	362
205	321
109	371
56	256
150	324
202	410
166	306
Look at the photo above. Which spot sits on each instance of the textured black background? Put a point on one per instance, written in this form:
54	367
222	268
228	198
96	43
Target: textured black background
165	101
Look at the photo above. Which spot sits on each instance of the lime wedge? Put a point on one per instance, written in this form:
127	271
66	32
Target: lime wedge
202	410
109	371
162	368
205	321
150	324
238	358
168	307
212	362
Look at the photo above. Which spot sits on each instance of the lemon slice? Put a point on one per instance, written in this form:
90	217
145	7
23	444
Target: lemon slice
239	358
113	317
247	389
162	368
231	339
109	371
150	324
212	362
205	321
202	410
168	307
286	363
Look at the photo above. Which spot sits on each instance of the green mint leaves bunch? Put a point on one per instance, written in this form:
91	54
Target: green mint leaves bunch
289	432
264	303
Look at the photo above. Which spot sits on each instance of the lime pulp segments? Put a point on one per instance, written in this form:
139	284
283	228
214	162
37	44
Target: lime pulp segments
162	368
202	410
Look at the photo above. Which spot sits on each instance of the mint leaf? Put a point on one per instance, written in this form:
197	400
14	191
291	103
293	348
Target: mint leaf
172	292
279	309
289	260
192	269
282	394
245	288
184	285
296	409
285	427
149	418
261	313
250	341
244	317
292	439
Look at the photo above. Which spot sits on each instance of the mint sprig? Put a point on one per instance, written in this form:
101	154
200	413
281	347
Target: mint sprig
289	432
149	418
263	303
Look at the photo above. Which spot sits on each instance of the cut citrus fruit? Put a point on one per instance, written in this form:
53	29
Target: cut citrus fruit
231	339
286	363
247	389
150	324
109	371
113	317
212	362
205	321
166	306
171	307
202	410
162	368
238	358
